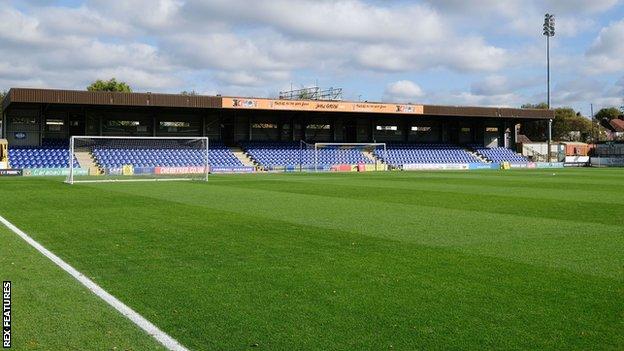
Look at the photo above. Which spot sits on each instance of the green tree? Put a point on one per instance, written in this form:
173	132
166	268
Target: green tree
3	94
565	125
583	125
567	122
607	114
189	93
540	106
109	85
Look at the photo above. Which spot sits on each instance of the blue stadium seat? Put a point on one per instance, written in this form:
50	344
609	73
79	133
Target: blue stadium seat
401	154
500	154
160	153
52	153
284	154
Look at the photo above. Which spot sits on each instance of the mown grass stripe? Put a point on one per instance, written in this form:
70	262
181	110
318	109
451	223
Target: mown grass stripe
152	330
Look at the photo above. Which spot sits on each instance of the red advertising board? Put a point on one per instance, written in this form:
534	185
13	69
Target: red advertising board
179	170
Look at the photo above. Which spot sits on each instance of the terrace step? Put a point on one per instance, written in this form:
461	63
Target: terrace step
478	156
85	160
372	157
378	161
242	156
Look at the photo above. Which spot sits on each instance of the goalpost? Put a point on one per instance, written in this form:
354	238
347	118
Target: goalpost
334	154
127	158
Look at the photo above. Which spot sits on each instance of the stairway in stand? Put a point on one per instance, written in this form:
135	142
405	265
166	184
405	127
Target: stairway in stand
242	156
85	160
378	161
478	155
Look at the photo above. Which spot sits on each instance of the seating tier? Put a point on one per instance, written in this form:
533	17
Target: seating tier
402	154
281	154
500	154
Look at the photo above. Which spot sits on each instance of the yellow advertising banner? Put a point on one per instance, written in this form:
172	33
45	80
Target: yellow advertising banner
325	106
127	170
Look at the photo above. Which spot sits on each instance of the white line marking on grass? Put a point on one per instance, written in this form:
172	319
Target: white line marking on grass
162	337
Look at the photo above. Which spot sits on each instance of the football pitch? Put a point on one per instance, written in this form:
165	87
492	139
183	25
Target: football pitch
526	259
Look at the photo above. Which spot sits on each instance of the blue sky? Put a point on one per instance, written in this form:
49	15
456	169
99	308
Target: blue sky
459	52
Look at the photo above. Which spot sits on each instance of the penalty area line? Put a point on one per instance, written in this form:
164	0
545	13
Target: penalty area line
140	321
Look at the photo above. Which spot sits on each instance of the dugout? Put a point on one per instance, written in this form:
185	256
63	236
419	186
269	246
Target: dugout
32	115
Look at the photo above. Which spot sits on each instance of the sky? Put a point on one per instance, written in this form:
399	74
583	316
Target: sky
454	52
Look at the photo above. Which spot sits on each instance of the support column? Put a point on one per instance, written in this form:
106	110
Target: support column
304	127
501	134
549	138
372	130
42	124
220	121
100	124
154	124
3	134
250	121
442	127
407	128
203	125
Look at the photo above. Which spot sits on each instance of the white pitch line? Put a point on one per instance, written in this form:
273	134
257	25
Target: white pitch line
162	337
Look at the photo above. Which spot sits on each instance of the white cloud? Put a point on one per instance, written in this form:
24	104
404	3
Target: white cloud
329	20
500	84
154	16
403	91
524	17
461	55
18	29
82	21
581	6
466	98
606	54
242	47
248	79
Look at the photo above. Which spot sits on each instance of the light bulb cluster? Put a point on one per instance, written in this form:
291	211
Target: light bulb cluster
549	25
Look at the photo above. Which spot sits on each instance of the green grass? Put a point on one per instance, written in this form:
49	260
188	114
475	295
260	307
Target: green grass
52	311
446	260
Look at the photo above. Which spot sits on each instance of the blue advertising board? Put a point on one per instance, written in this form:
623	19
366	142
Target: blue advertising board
232	169
143	170
475	166
549	165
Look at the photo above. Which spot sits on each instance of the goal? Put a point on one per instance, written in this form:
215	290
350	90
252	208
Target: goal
339	156
107	159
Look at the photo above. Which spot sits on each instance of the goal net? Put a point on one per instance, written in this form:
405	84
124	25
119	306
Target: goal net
105	159
344	156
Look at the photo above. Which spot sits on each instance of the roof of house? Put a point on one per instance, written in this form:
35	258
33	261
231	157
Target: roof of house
617	125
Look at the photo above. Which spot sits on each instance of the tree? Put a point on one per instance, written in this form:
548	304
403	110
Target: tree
189	93
540	106
567	125
606	114
109	85
3	94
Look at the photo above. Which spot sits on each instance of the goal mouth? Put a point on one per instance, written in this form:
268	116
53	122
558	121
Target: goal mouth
112	159
343	157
